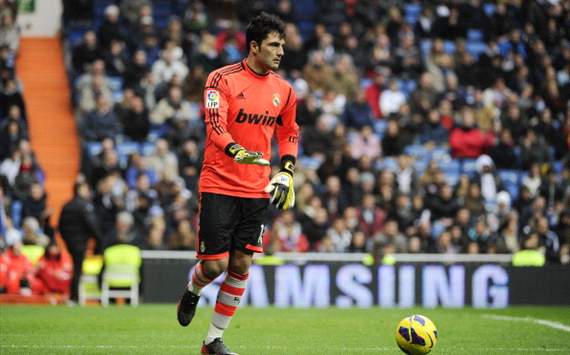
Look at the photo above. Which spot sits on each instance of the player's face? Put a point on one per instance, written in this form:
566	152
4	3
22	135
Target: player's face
271	51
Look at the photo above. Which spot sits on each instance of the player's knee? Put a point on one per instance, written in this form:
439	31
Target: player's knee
240	263
214	268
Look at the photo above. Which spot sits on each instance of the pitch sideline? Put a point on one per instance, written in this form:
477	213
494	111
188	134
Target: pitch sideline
544	322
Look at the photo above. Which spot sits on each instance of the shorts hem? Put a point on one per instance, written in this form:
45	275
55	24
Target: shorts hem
254	248
213	256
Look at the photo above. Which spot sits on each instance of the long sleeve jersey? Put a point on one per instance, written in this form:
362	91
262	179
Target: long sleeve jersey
246	108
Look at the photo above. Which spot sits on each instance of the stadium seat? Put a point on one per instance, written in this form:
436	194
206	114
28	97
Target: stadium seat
418	151
469	167
125	149
89	282
387	163
449	166
489	9
33	252
121	277
475	48
412	12
474	35
449	47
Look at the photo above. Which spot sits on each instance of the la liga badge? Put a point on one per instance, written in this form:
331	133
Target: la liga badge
212	99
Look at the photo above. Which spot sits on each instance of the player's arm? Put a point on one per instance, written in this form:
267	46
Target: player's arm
216	113
281	186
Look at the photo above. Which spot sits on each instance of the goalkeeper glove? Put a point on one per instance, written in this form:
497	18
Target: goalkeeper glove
244	156
281	187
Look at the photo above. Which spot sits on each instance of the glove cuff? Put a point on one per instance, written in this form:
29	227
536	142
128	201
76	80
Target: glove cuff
288	164
232	149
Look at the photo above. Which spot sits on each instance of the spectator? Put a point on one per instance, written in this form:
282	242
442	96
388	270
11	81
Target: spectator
173	107
77	223
116	59
54	271
392	235
86	52
168	66
338	236
135	120
137	69
503	154
11	95
433	132
288	234
391	99
393	142
163	161
467	141
357	112
20	277
184	237
532	181
102	122
111	29
9	32
365	143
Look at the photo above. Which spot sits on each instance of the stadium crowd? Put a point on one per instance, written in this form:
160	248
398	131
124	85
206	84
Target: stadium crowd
24	215
426	128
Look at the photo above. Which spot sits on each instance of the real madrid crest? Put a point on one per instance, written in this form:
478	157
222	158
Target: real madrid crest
276	99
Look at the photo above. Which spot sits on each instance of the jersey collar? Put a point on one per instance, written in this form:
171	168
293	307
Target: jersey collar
253	73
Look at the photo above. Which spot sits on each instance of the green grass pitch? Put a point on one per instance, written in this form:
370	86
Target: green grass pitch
152	329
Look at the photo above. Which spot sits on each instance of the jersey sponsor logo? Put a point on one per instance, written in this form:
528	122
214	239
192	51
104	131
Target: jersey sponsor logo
212	99
276	99
256	118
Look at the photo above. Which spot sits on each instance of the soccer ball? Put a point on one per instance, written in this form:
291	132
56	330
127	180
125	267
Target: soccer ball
416	335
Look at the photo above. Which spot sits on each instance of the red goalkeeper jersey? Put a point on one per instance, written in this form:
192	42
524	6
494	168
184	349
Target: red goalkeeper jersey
244	107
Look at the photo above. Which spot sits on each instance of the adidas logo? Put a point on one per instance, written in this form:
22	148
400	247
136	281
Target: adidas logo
241	96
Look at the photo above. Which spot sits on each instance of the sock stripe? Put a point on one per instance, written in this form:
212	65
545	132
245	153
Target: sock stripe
234	291
238	276
224	309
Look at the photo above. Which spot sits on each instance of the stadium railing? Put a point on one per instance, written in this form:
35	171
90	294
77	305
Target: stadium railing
348	257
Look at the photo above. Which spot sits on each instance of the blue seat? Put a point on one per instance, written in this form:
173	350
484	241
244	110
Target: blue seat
387	163
475	48
304	10
425	47
439	153
417	151
511	179
469	167
449	166
94	148
489	9
558	166
306	28
412	12
125	149
115	83
420	165
475	35
147	148
449	47
75	36
508	176
452	178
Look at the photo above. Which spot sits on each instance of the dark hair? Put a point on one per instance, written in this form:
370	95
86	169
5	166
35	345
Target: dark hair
261	26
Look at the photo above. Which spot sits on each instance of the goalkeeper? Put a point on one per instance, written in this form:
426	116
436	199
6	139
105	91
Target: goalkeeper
246	104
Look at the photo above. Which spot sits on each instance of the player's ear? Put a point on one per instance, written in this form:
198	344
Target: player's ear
253	47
